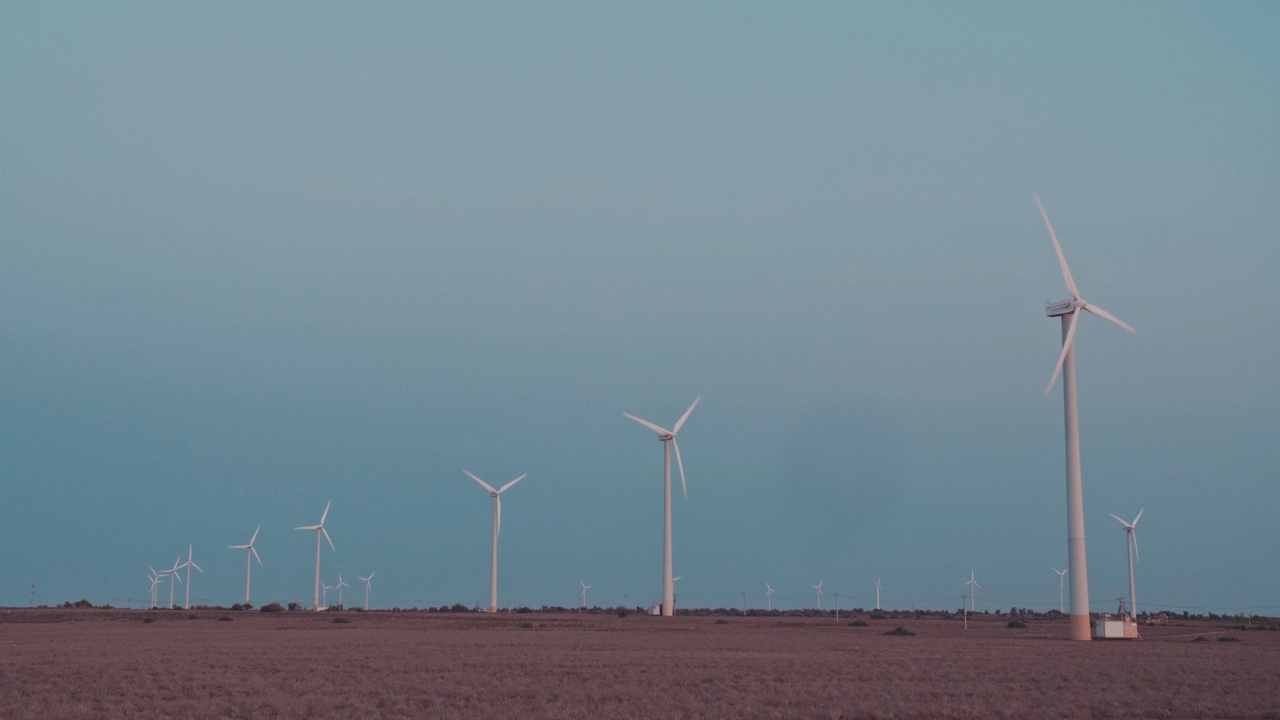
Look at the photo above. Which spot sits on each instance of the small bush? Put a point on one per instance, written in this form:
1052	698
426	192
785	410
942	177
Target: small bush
1201	638
622	612
900	631
1016	625
225	618
341	620
148	620
526	626
878	616
1228	638
293	607
275	607
859	623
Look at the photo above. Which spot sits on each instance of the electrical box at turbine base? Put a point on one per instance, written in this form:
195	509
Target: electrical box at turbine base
1116	628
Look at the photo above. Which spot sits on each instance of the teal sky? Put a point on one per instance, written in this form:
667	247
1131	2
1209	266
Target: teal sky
254	258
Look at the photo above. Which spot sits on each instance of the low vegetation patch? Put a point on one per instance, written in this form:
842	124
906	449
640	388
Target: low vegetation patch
225	618
900	631
859	623
1228	638
340	621
273	607
1016	625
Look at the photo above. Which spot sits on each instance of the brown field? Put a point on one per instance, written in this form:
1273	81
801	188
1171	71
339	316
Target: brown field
111	663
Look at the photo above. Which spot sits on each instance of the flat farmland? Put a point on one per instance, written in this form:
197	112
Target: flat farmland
199	664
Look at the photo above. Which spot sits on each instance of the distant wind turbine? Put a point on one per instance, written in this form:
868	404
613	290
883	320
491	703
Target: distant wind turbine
324	595
668	438
188	565
877	593
367	585
155	578
768	595
1069	311
173	576
818	587
497	528
585	588
1131	531
249	556
315	600
973	583
341	585
674	580
1061	573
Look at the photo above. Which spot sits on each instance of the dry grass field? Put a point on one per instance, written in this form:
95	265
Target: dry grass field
57	663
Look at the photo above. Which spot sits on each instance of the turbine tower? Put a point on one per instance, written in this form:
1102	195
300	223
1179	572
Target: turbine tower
973	583
1061	573
1069	311
155	578
768	595
585	588
1131	531
367	584
877	593
497	528
341	585
173	576
188	565
315	601
818	587
249	556
668	438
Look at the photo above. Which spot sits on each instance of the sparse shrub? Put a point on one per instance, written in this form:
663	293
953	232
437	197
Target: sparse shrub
341	620
878	616
1016	625
1228	638
859	623
722	621
1201	638
900	631
293	607
526	626
459	607
192	616
148	620
275	607
225	618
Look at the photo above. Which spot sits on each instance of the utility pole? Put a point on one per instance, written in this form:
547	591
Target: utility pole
744	603
33	595
965	603
837	607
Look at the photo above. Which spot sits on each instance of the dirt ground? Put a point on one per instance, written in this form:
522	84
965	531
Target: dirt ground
210	663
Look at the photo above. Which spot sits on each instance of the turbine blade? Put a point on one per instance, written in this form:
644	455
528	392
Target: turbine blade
308	527
326	537
197	567
1135	520
1108	316
685	416
651	426
1120	520
237	547
513	482
326	512
1134	534
255	535
1062	260
371	575
1066	348
255	554
684	488
497	516
483	484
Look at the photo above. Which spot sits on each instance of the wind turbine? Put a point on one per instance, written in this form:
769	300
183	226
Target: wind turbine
674	580
155	578
324	595
188	565
315	601
818	587
1061	573
1069	311
173	575
249	556
768	596
497	528
367	584
341	585
668	438
877	593
973	583
585	588
1131	531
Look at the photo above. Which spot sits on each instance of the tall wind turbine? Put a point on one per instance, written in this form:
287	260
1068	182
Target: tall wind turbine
818	587
877	593
249	556
324	595
1061	573
668	438
173	577
1131	531
973	583
341	585
367	584
768	595
497	528
155	578
1069	311
585	588
188	565
315	601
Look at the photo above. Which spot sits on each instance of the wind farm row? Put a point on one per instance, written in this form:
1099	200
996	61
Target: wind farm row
1073	580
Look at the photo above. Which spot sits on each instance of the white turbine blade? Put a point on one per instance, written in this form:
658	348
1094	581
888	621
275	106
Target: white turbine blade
1108	316
497	514
685	416
1066	348
651	426
370	576
255	535
255	554
237	547
325	514
1062	260
1134	534
308	527
680	463
1121	520
483	484
1135	520
197	567
326	537
513	482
